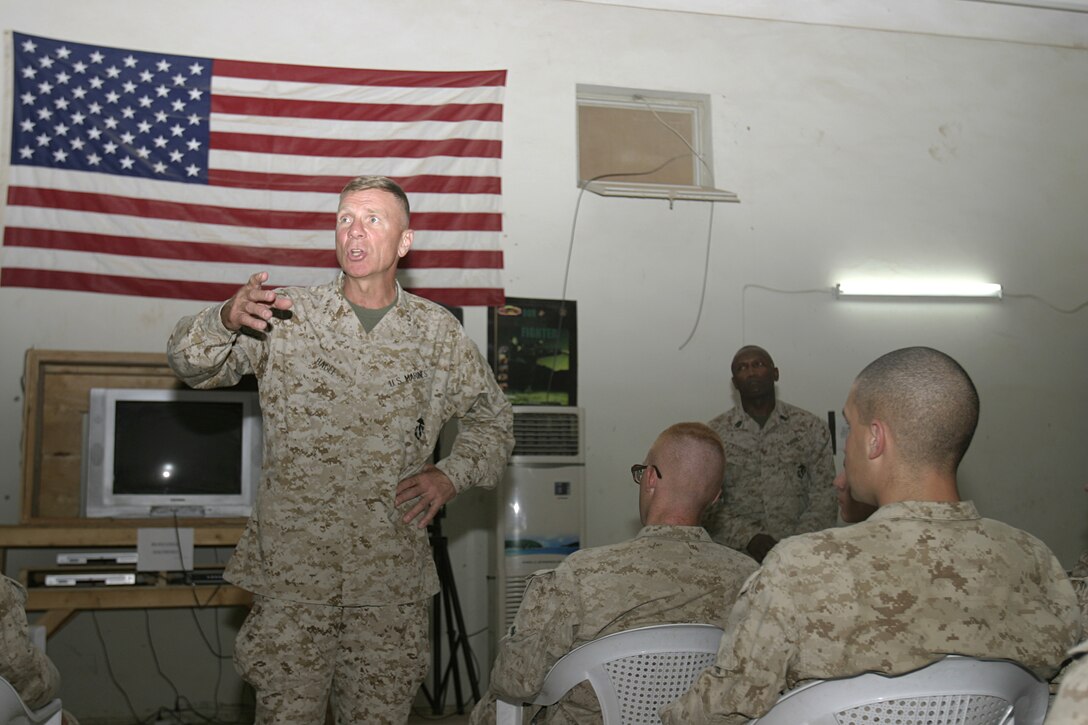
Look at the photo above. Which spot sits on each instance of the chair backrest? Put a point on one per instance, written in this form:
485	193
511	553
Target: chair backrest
951	691
13	711
634	673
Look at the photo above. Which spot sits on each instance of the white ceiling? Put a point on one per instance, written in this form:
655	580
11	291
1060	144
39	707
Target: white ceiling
1048	22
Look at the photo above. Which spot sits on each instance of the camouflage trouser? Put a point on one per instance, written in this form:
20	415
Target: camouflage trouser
369	660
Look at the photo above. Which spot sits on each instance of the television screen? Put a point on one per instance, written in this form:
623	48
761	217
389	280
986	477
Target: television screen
153	452
177	447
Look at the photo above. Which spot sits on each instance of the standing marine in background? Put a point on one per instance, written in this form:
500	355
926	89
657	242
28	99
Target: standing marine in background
779	468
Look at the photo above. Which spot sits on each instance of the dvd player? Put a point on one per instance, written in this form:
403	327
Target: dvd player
91	578
200	575
96	557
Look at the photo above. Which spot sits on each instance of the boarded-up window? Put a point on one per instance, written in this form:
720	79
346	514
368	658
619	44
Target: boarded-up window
643	136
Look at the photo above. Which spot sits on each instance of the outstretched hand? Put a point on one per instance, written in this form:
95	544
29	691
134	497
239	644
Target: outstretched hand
252	306
431	489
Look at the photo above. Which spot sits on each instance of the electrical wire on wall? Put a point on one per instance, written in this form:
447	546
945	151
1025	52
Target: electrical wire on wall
1037	298
574	227
743	301
831	292
710	223
570	253
706	273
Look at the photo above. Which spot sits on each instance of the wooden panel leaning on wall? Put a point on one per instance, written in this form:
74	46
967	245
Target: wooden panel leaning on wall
56	385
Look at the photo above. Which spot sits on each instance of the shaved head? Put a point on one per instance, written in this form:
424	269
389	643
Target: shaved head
752	350
692	463
928	401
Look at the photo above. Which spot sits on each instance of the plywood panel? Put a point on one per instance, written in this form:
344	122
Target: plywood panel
631	144
57	387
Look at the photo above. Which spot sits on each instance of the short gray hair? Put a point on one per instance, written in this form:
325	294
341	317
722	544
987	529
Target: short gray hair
382	183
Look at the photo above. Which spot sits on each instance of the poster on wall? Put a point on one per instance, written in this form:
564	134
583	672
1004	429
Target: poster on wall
533	350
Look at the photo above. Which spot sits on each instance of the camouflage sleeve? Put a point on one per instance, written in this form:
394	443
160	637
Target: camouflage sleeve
28	669
822	512
1080	588
205	354
1078	575
486	434
1071	705
544	630
753	657
729	529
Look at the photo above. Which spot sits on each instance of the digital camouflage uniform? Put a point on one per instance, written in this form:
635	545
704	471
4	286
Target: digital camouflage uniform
665	575
347	415
778	478
1071	706
1079	576
27	668
917	580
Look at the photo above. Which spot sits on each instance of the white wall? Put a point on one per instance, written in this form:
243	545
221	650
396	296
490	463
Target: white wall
853	151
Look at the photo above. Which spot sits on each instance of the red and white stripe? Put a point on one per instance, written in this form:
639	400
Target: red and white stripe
283	141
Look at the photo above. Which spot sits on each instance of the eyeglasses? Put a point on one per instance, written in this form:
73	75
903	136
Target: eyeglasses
639	469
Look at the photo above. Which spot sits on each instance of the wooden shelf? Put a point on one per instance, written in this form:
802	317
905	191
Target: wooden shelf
60	604
136	597
83	532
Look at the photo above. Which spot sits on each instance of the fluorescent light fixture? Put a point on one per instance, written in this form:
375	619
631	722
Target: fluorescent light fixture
918	288
668	192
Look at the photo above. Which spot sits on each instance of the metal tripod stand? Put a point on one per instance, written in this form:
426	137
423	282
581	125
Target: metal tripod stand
447	607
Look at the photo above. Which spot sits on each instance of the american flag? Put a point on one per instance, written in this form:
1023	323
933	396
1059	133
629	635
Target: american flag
140	173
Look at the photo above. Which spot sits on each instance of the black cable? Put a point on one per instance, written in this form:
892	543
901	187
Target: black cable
155	655
216	651
109	667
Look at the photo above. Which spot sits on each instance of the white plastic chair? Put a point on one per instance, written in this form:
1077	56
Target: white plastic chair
951	691
13	711
634	673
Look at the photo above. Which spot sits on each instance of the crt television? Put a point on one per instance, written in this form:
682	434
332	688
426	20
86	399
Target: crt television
186	453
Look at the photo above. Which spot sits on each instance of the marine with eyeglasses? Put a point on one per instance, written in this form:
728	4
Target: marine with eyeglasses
671	572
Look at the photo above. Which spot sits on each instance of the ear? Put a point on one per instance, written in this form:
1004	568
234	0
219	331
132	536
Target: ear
878	439
405	243
775	373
